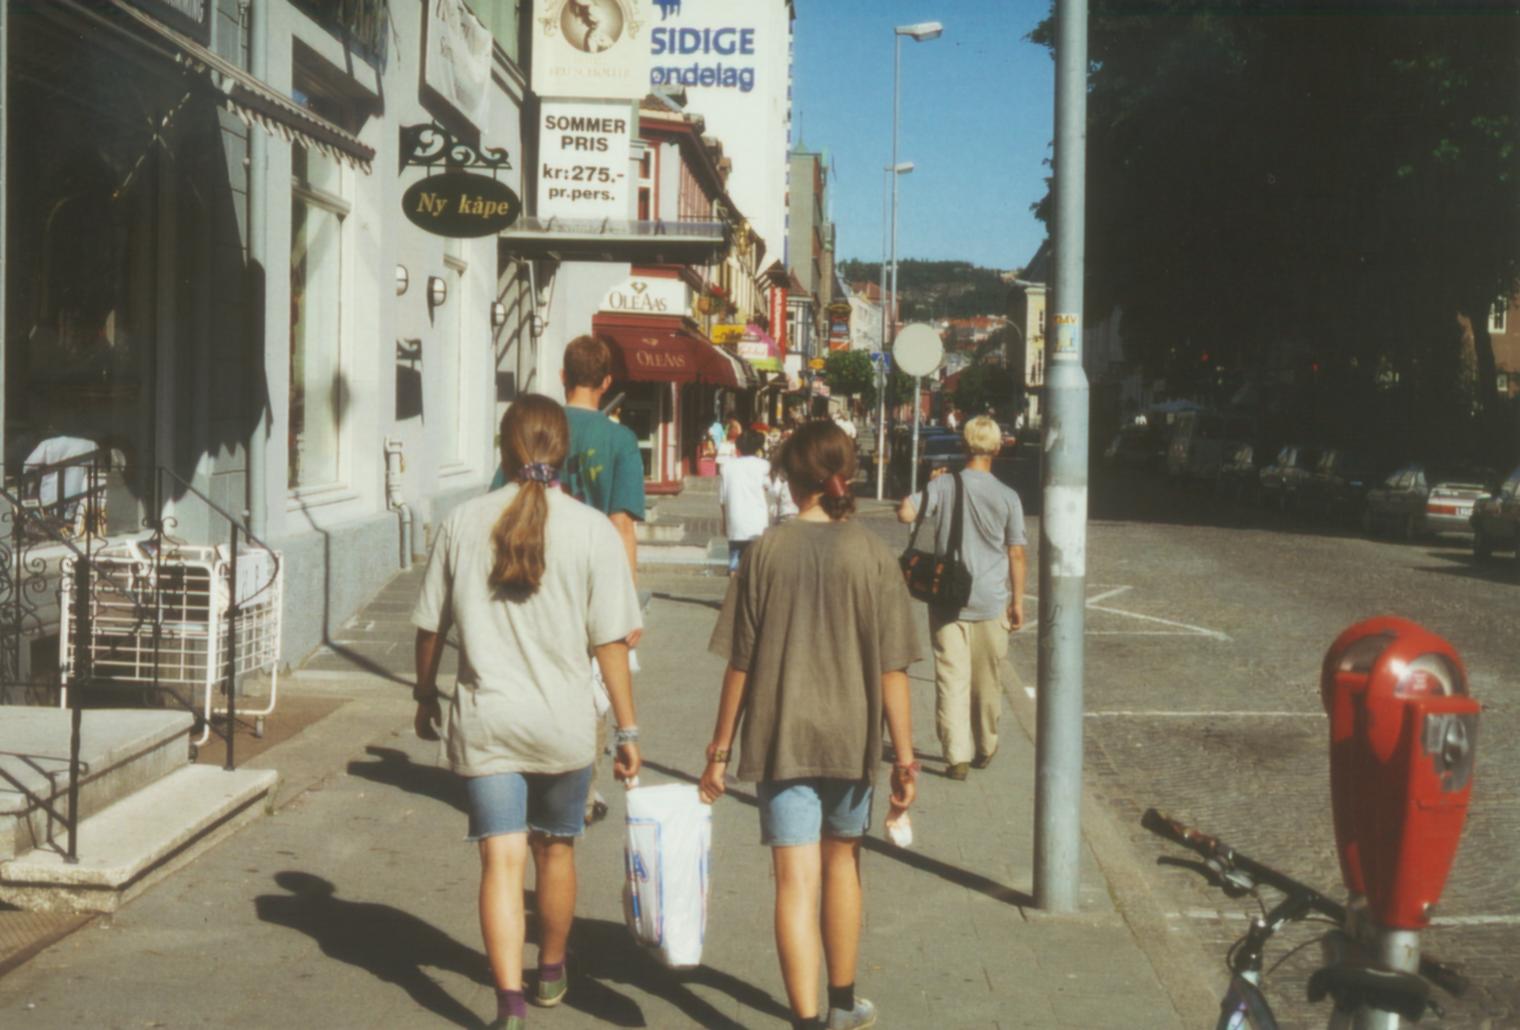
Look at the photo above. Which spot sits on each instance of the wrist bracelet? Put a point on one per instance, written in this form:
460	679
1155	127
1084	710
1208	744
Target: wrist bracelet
422	697
718	754
627	735
910	767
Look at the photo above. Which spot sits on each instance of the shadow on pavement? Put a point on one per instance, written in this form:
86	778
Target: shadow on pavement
393	946
603	952
1498	569
396	769
701	602
923	863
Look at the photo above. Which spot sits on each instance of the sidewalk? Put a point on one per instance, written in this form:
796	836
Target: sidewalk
354	904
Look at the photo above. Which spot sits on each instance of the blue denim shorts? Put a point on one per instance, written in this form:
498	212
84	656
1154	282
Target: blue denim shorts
553	804
801	811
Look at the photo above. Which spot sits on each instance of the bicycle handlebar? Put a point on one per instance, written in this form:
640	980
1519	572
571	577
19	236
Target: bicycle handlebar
1212	849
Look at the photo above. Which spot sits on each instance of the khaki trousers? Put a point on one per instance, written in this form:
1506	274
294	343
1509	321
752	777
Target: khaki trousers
968	666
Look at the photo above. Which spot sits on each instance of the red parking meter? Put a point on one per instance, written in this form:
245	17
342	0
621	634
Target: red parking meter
1403	733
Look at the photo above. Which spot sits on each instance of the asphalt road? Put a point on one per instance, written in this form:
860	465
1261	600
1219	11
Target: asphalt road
1206	624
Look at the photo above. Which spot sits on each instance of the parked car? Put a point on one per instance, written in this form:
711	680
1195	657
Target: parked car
1415	499
1283	477
1138	446
1495	519
1201	440
1337	490
1239	475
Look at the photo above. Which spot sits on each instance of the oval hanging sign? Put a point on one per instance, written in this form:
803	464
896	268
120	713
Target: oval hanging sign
461	204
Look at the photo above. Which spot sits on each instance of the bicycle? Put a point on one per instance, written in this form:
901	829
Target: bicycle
1364	996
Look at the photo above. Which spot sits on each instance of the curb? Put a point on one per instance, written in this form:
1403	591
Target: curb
1171	947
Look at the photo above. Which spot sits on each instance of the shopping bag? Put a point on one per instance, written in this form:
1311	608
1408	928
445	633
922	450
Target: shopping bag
669	837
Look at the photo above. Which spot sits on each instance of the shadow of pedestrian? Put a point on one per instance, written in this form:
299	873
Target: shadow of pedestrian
391	945
701	602
395	768
971	881
603	952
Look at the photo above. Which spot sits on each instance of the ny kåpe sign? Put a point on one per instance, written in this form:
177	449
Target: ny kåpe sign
460	204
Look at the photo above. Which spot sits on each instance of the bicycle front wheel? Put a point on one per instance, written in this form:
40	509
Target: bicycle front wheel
1244	1007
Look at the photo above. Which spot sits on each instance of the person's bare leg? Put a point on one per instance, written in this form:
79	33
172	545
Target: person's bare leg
841	908
797	939
503	861
554	861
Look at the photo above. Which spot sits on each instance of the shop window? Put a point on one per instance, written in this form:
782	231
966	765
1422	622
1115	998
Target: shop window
1497	317
646	187
318	391
504	19
448	326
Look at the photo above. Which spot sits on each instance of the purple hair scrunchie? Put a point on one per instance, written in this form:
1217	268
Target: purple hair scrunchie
538	472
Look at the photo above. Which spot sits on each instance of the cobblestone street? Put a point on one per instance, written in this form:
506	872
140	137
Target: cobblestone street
1206	626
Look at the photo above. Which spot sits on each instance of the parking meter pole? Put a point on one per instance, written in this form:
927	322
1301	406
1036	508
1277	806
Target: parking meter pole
1396	950
917	411
1063	515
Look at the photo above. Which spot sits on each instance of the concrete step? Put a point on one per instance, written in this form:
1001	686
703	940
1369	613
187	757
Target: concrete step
659	531
133	844
120	751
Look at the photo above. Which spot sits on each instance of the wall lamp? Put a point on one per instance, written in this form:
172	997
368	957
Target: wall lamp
498	314
403	279
437	291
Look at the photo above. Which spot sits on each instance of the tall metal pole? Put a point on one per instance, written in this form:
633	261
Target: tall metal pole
1063	518
890	311
881	345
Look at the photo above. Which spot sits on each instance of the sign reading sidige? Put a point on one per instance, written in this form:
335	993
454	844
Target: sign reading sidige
460	205
590	48
583	159
648	295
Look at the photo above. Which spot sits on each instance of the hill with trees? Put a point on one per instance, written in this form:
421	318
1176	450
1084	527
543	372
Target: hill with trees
939	289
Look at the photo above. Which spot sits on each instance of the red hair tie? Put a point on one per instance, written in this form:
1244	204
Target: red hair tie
835	486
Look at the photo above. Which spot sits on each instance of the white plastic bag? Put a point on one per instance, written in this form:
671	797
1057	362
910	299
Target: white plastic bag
669	837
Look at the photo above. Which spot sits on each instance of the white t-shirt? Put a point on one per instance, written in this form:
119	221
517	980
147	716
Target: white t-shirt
524	700
742	493
847	425
779	493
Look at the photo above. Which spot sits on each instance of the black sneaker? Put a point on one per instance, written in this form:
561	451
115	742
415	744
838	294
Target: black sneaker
983	761
596	811
958	771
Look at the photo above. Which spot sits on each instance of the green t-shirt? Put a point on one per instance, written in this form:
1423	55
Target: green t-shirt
603	468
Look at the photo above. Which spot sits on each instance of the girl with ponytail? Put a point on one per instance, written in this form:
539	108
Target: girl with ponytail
536	584
818	632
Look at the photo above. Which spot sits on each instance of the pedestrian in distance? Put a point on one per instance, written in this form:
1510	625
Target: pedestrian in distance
602	469
744	507
818	632
971	645
536	583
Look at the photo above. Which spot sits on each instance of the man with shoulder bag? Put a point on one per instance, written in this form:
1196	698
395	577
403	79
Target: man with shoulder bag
973	582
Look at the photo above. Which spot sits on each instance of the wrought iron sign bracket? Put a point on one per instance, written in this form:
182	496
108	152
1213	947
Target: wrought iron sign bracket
431	145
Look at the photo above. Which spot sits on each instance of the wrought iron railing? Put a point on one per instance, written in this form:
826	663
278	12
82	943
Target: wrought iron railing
46	535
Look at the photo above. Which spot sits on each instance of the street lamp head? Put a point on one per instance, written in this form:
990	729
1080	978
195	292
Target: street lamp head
901	168
922	31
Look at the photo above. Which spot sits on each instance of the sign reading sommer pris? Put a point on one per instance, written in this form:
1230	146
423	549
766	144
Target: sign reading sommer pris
461	205
583	155
590	48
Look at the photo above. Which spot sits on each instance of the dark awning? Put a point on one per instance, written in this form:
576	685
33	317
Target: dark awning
666	350
251	100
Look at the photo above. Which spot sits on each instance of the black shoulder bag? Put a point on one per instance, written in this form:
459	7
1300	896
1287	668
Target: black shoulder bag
943	582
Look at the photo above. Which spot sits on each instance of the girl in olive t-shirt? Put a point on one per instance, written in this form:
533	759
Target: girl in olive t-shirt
818	631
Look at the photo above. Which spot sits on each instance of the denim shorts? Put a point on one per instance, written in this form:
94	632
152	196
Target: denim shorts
553	804
736	549
801	811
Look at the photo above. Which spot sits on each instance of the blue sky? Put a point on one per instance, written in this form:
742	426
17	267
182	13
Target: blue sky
976	122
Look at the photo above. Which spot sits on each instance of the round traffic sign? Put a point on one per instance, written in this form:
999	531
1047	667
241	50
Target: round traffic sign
917	350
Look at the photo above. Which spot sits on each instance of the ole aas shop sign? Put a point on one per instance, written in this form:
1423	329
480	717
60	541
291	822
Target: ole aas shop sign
461	205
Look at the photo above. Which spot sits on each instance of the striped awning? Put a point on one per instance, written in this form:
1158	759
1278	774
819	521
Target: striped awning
255	102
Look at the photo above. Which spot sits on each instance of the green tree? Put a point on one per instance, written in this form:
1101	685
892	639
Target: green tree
1267	180
984	387
850	372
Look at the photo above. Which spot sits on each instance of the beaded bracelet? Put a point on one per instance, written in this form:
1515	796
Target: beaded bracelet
627	735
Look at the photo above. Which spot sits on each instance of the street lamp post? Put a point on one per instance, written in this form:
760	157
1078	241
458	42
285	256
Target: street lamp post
919	33
883	372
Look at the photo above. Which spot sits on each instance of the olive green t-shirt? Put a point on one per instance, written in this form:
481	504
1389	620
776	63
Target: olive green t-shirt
816	614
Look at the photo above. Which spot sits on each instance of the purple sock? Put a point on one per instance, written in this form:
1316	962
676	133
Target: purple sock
550	972
511	1003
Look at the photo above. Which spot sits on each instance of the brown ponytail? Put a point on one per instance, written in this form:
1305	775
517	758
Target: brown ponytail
534	438
820	458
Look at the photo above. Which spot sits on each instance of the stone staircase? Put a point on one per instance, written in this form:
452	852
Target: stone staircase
144	809
681	532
